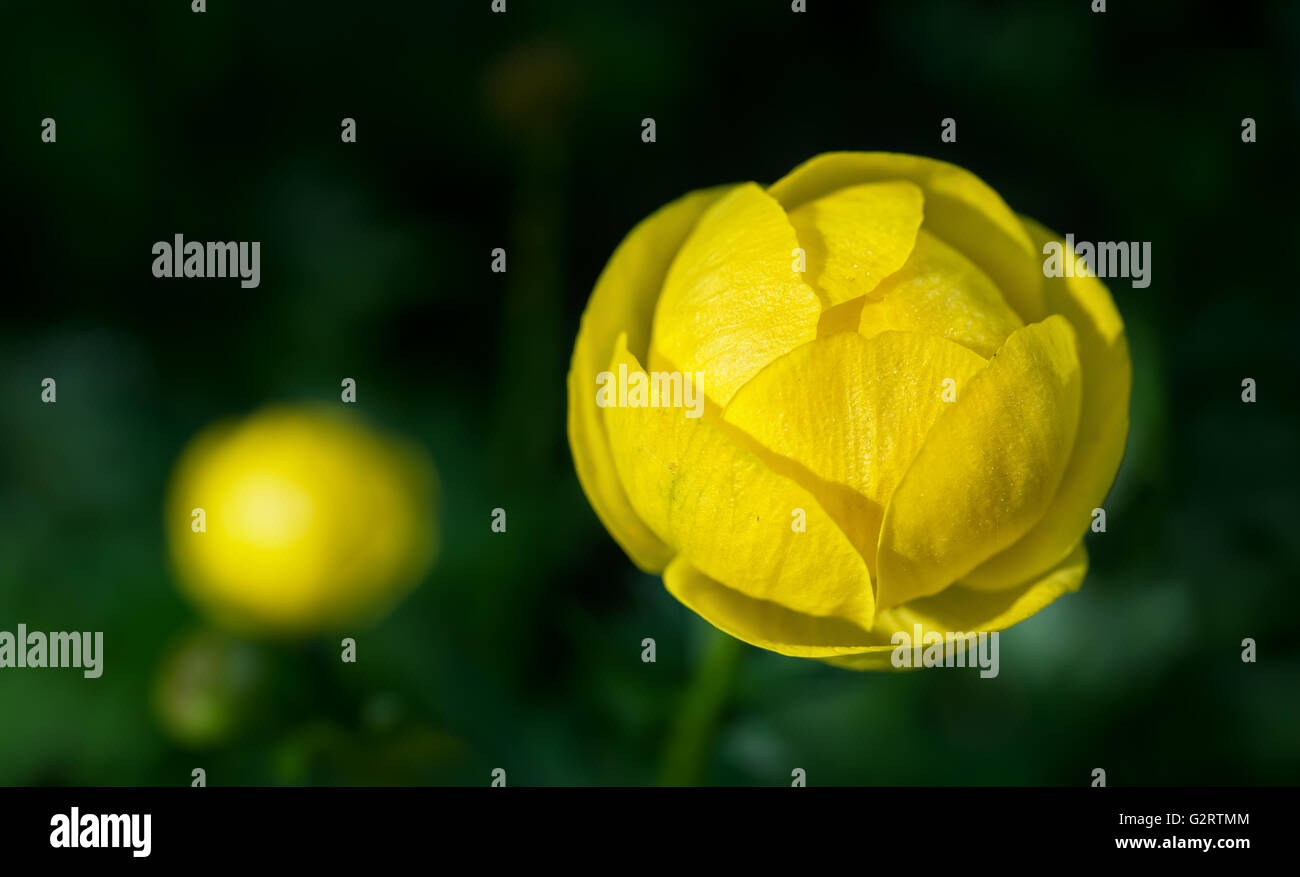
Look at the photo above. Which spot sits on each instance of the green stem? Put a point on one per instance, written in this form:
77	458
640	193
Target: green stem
697	722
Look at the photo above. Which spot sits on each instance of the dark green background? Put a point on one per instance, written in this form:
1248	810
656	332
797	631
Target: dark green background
522	130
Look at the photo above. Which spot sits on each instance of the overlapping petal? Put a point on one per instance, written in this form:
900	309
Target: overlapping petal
1103	427
959	609
960	208
988	469
624	301
733	301
956	610
857	236
939	291
730	515
852	413
763	623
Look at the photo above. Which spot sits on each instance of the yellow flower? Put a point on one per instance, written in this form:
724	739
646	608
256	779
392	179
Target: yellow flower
913	429
299	520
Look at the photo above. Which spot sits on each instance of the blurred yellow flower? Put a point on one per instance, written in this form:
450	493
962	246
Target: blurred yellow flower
299	520
906	422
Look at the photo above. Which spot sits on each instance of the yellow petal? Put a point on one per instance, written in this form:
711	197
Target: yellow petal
761	622
940	292
1103	429
732	516
846	416
959	208
989	468
624	301
857	236
962	610
733	301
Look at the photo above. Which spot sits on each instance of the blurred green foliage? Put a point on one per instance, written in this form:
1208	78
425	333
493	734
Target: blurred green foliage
475	131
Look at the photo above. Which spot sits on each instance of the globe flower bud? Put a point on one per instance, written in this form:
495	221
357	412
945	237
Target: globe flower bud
905	423
294	521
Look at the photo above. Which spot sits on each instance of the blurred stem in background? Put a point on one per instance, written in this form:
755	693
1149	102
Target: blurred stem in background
531	90
694	732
